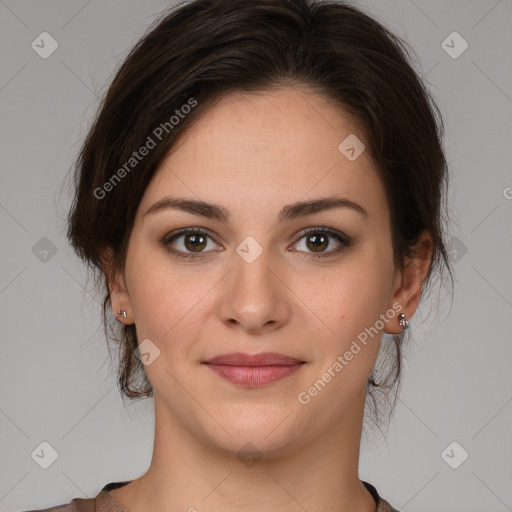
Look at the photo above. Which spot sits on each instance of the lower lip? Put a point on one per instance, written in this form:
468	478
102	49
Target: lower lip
254	376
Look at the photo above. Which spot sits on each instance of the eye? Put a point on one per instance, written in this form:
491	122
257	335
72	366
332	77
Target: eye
318	239
192	244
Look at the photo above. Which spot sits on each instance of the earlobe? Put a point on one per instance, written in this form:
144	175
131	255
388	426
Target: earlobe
119	297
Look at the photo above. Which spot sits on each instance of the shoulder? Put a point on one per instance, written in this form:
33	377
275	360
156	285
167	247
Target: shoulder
75	505
103	502
382	504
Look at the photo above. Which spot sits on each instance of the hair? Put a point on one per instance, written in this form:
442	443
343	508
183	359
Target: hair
197	52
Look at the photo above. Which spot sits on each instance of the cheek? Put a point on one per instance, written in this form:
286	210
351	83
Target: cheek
352	299
351	305
166	307
166	300
346	353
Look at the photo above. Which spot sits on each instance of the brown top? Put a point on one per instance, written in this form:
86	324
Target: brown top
105	502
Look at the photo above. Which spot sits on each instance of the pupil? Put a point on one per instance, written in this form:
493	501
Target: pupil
194	239
319	240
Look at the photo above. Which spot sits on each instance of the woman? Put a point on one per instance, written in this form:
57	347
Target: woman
260	196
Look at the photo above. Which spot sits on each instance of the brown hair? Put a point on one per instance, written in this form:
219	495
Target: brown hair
201	50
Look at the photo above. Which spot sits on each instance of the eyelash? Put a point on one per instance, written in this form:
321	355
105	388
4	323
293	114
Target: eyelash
339	237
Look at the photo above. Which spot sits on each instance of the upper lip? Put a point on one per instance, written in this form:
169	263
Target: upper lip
263	359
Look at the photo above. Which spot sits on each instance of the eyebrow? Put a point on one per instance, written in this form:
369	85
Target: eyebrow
288	212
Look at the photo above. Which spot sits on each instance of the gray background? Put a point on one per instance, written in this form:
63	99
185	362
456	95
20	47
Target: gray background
55	382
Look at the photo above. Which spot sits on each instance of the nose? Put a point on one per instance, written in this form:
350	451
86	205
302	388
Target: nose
254	298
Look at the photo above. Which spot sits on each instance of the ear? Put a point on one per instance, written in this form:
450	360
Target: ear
119	297
409	282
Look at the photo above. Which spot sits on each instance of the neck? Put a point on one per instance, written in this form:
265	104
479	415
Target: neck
192	473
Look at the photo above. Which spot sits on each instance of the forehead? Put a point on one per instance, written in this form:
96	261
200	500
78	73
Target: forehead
254	150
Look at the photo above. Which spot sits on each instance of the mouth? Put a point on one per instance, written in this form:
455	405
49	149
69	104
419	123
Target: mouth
254	370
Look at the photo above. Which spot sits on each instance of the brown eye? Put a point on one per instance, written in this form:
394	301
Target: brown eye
189	243
195	242
317	240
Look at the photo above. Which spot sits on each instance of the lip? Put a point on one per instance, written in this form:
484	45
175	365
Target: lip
263	359
254	370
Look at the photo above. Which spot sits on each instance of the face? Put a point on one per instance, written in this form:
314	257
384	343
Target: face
304	282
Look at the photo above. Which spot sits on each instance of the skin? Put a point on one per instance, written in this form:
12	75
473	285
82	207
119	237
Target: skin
252	154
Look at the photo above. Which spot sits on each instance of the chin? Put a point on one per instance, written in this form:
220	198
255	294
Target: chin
260	430
250	446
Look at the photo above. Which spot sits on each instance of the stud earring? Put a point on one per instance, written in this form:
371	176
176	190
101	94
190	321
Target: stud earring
122	313
402	321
